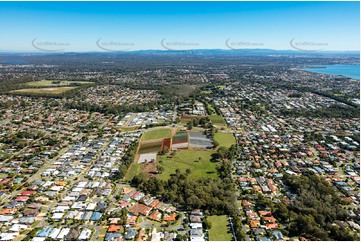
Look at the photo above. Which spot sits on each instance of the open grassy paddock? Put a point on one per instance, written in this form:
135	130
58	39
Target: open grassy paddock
183	122
126	129
43	91
217	120
211	109
54	83
188	159
133	170
225	139
157	134
206	92
219	230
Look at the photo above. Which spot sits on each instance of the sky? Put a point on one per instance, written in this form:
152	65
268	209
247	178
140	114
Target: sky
122	26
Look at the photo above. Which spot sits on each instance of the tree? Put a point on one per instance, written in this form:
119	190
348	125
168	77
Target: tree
222	152
281	211
190	125
160	169
195	122
165	149
315	209
215	195
207	224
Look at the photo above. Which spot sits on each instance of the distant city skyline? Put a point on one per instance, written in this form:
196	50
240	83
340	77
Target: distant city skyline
126	26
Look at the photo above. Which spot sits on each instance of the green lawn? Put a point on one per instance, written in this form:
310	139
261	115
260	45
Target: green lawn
51	83
225	139
45	91
3	175
211	108
126	129
221	87
157	134
133	170
188	159
217	120
219	230
183	122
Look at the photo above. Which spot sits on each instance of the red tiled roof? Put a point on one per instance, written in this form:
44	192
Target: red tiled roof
272	226
28	193
170	217
22	198
114	228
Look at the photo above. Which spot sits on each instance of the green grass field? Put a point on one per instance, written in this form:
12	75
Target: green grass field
221	87
217	120
43	91
225	139
50	83
183	122
133	170
211	108
219	230
185	159
157	134
126	129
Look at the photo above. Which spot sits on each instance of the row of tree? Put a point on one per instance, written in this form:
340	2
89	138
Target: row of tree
333	111
126	161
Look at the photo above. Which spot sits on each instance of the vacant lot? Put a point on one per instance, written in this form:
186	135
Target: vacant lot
198	161
157	134
219	230
211	109
225	139
217	120
50	83
133	170
43	91
206	92
150	168
183	122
